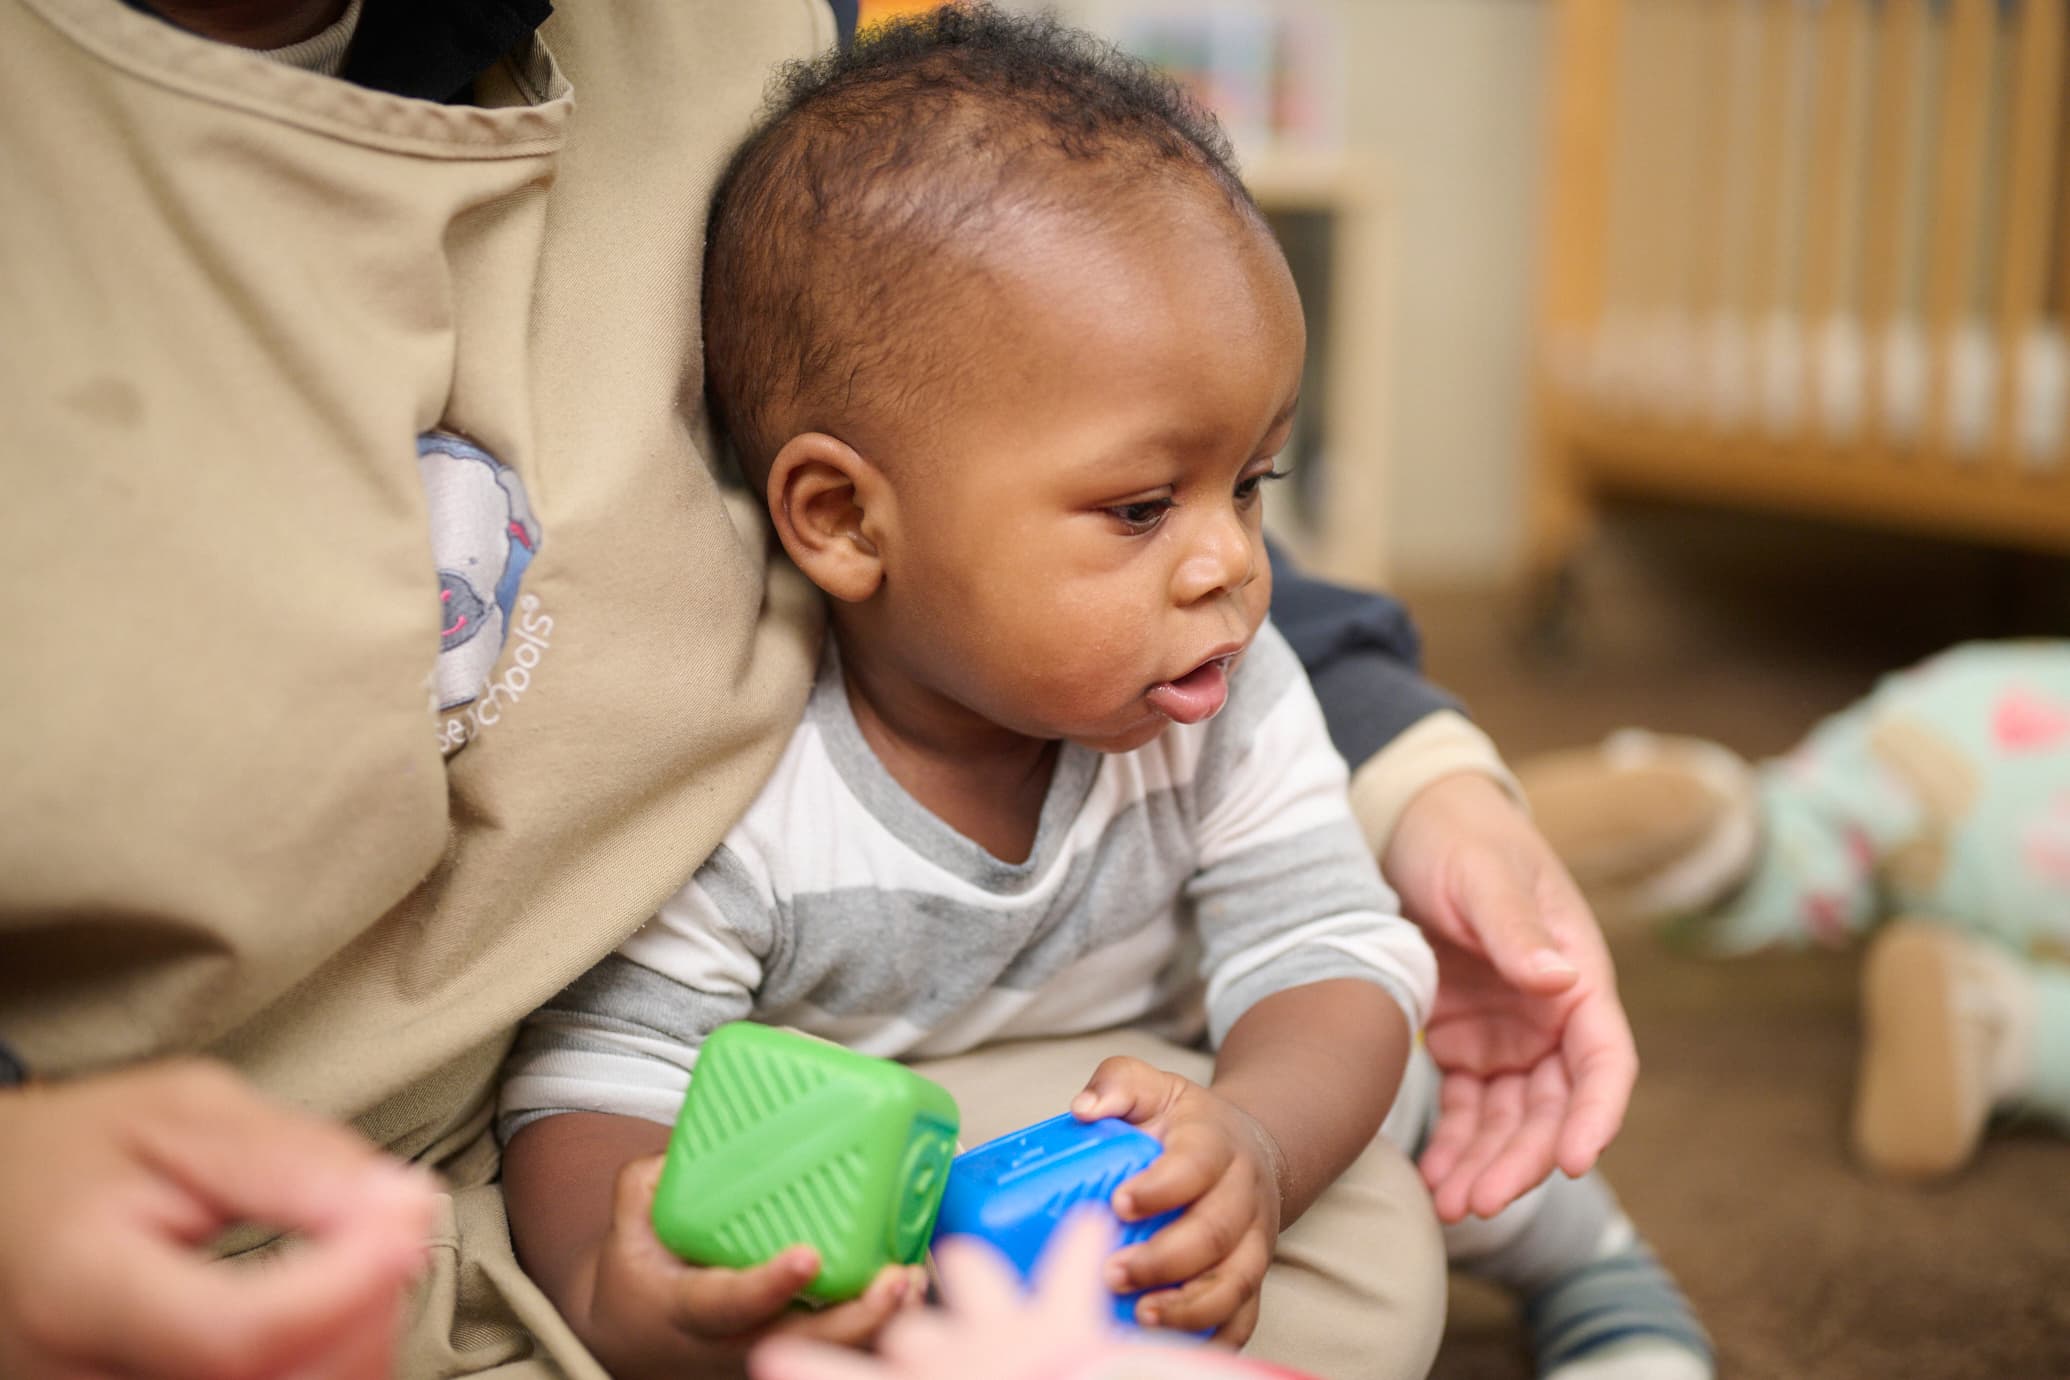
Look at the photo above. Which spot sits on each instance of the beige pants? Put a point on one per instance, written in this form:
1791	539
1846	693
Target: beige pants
1356	1292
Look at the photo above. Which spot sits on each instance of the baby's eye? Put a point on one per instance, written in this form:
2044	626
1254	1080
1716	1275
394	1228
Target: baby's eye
1247	489
1141	516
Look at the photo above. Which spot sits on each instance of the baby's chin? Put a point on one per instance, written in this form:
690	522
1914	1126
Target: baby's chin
1140	734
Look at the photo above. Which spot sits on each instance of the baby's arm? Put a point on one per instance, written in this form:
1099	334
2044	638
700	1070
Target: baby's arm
589	1092
1314	985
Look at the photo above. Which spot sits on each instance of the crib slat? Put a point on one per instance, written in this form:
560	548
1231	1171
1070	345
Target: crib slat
1711	139
1826	223
2031	159
1652	35
1768	285
1954	210
1573	280
1771	135
1581	134
1901	30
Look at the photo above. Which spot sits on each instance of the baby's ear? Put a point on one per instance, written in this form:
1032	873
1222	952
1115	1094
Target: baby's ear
820	493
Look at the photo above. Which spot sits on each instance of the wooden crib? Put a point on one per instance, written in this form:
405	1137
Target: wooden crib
1808	256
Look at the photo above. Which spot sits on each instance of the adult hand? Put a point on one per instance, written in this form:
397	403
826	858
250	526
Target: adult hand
651	1314
1535	1051
112	1186
1218	1164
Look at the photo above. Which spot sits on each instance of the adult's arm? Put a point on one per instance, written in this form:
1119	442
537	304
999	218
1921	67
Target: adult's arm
1534	1048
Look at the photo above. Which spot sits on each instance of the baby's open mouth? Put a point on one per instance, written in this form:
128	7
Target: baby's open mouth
1196	696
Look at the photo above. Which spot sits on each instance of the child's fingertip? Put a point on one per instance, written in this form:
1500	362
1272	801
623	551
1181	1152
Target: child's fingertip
1082	1106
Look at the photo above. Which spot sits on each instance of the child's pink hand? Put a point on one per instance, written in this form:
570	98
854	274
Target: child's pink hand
989	1326
1219	1165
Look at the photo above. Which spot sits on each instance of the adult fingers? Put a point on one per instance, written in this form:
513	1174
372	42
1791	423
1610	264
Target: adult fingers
1527	1157
184	1316
1502	1109
1458	1121
1602	1066
363	1349
250	1159
1500	905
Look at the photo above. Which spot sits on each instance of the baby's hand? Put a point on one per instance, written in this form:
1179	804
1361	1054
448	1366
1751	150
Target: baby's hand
1218	1164
650	1314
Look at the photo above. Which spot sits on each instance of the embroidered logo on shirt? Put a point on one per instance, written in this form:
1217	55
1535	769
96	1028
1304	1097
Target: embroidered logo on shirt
483	536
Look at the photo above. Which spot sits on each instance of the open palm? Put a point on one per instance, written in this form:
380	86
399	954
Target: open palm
1535	1052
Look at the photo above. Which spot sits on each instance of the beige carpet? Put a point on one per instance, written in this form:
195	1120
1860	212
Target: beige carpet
1733	1158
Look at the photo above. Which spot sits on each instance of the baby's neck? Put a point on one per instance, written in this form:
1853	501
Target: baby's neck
985	782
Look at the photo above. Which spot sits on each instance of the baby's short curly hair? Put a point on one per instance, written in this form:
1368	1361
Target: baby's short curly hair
826	284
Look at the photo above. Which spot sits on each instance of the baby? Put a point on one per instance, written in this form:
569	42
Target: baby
1004	344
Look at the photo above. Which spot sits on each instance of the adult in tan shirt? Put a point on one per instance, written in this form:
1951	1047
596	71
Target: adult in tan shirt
246	812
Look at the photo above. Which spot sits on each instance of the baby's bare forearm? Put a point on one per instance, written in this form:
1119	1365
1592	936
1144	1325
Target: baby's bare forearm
1317	1067
559	1178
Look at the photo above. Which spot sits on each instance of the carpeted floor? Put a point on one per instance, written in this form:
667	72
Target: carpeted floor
1733	1158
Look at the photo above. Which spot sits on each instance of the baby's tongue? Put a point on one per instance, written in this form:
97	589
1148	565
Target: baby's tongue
1193	697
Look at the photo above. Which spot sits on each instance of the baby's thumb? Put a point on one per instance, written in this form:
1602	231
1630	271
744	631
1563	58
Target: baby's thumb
1121	1087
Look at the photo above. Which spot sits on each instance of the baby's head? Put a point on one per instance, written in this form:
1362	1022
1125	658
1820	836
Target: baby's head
993	325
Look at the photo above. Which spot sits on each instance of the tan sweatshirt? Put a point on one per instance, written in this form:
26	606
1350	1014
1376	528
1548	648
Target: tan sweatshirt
232	295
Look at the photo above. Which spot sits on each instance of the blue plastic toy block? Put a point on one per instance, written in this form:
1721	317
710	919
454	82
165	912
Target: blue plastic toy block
1015	1191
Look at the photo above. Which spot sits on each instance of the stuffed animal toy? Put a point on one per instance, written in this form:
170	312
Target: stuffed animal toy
1931	820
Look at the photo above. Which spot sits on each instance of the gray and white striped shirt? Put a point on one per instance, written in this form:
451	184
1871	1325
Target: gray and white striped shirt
1221	857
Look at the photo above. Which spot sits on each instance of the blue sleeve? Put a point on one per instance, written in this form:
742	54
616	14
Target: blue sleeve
1362	655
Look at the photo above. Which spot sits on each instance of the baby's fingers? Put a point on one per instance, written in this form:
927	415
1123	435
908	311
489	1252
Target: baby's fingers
718	1303
1209	1300
1203	1237
858	1321
1216	1299
1129	1089
1195	1159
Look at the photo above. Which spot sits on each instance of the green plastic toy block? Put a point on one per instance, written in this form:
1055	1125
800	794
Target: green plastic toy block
785	1139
